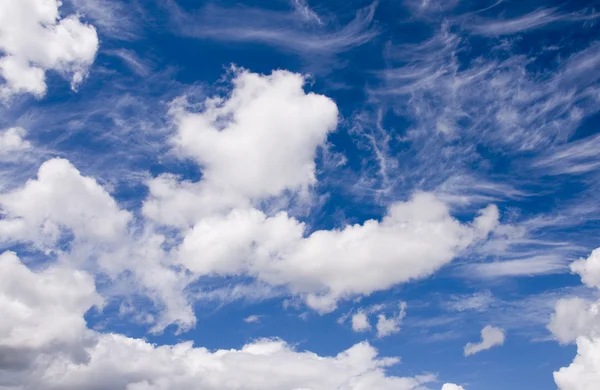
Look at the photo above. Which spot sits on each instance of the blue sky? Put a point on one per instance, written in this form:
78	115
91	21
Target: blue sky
229	195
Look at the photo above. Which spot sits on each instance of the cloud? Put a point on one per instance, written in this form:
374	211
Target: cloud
490	337
589	269
114	19
34	39
578	320
537	265
36	212
540	18
584	372
38	306
537	19
12	142
575	158
388	326
479	301
284	30
452	386
93	232
253	319
267	119
329	265
360	322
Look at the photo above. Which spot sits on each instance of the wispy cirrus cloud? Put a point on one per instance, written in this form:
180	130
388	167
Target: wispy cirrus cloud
539	18
299	31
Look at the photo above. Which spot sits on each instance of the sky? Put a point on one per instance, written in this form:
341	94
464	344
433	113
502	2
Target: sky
299	195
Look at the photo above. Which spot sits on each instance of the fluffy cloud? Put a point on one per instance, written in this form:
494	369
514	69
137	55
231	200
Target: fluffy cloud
388	326
574	317
578	320
34	38
255	143
71	215
38	211
490	337
45	346
42	312
589	269
117	362
412	241
360	322
12	141
584	372
452	386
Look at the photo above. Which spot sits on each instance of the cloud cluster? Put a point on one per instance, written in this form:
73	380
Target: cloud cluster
37	352
222	229
34	38
386	324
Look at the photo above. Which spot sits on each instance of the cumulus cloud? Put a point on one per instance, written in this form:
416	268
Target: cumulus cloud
490	337
452	386
412	241
39	306
267	119
360	322
584	372
589	269
34	38
578	320
37	213
92	232
12	141
42	312
388	326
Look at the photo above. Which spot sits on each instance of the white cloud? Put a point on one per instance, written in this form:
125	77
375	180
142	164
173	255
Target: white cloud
452	386
37	213
120	362
267	119
360	322
531	21
412	241
42	312
479	301
12	141
529	266
388	326
64	213
45	345
589	269
576	319
318	41
253	319
34	38
584	372
490	337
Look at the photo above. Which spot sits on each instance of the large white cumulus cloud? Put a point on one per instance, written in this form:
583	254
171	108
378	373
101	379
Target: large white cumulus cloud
43	318
256	143
61	198
35	38
42	313
413	240
578	320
